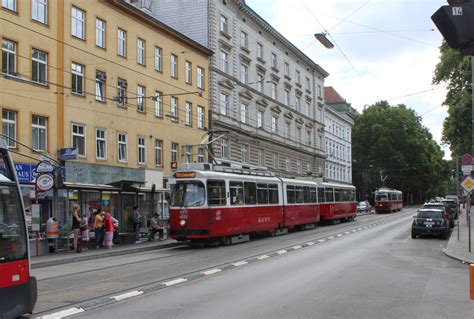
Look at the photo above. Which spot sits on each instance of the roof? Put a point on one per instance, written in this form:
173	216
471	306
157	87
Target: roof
332	96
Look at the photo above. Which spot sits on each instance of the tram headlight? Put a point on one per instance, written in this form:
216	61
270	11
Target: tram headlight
182	223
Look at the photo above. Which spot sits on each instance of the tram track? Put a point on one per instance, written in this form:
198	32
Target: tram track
285	243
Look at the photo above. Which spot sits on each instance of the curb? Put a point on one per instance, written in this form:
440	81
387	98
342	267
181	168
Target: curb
107	253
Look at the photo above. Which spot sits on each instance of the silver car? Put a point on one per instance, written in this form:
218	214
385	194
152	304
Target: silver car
363	207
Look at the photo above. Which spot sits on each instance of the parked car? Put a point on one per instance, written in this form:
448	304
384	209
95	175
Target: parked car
452	207
430	222
363	207
442	207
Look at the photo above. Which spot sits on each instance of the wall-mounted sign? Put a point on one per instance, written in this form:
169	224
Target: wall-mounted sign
69	153
44	182
27	172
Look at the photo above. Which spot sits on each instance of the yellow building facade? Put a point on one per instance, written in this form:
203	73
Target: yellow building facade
128	93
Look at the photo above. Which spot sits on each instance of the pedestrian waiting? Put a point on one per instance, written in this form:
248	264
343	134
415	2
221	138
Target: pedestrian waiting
109	231
155	227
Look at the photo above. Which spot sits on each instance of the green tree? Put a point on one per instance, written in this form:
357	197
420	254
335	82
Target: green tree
391	141
455	70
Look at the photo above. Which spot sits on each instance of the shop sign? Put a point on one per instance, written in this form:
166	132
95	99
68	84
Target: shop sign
69	153
27	172
44	167
105	199
44	182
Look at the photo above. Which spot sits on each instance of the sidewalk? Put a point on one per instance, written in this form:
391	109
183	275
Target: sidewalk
459	249
67	257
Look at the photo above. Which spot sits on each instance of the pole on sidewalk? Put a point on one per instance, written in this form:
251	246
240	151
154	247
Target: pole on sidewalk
471	268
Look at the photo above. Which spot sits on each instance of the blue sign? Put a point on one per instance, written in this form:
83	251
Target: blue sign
27	172
69	153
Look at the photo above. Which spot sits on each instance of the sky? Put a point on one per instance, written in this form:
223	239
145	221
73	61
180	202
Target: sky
384	50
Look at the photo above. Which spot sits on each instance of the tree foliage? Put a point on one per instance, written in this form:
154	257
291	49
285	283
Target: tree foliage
391	141
455	70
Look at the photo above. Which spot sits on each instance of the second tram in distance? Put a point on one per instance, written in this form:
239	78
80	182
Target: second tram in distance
227	205
388	200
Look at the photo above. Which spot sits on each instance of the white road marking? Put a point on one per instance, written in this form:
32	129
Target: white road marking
127	295
359	228
310	243
63	313
263	257
211	272
347	233
240	263
175	282
339	235
354	230
331	237
281	252
297	247
321	241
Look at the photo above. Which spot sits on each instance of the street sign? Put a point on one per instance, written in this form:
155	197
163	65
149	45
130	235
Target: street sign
44	182
468	184
44	167
466	169
69	153
466	159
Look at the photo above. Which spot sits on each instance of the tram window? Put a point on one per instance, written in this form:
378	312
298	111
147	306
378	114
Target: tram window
381	197
236	193
329	195
337	195
250	193
352	195
290	194
313	195
272	194
299	194
306	194
262	194
321	195
344	195
216	193
393	196
194	195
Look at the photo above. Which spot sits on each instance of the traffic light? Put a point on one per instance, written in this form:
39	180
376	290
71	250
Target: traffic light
456	24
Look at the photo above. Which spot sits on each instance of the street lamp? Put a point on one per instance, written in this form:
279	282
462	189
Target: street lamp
322	37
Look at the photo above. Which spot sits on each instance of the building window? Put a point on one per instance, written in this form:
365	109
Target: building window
259	84
39	10
141	98
79	138
100	144
259	51
188	153
261	157
274	124
298	77
158	59
77	78
158	153
225	148
189	114
9	127
174	66
100	78
244	73
9	4
39	70
298	167
174	152
274	90
244	40
224	103
141	51
141	150
308	84
200	78
224	61
298	134
100	33
287	164
259	119
201	154
320	91
188	66
8	57
77	23
243	112
308	107
224	26
275	161
158	104
200	117
298	104
287	69
39	133
174	109
122	42
122	92
274	61
309	140
122	147
288	130
287	97
245	153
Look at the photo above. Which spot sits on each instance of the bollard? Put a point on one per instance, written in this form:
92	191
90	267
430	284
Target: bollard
471	267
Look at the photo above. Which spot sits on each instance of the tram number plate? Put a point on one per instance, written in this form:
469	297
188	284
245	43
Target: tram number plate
263	219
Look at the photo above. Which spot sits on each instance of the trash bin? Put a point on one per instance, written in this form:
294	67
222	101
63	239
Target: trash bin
52	234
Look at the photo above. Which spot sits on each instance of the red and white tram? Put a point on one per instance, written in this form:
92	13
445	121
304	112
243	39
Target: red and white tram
388	200
228	205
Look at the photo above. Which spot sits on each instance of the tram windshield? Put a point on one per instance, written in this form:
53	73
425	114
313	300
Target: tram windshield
381	197
188	194
12	224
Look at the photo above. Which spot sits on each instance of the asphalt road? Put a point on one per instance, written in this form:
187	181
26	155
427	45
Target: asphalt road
338	271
